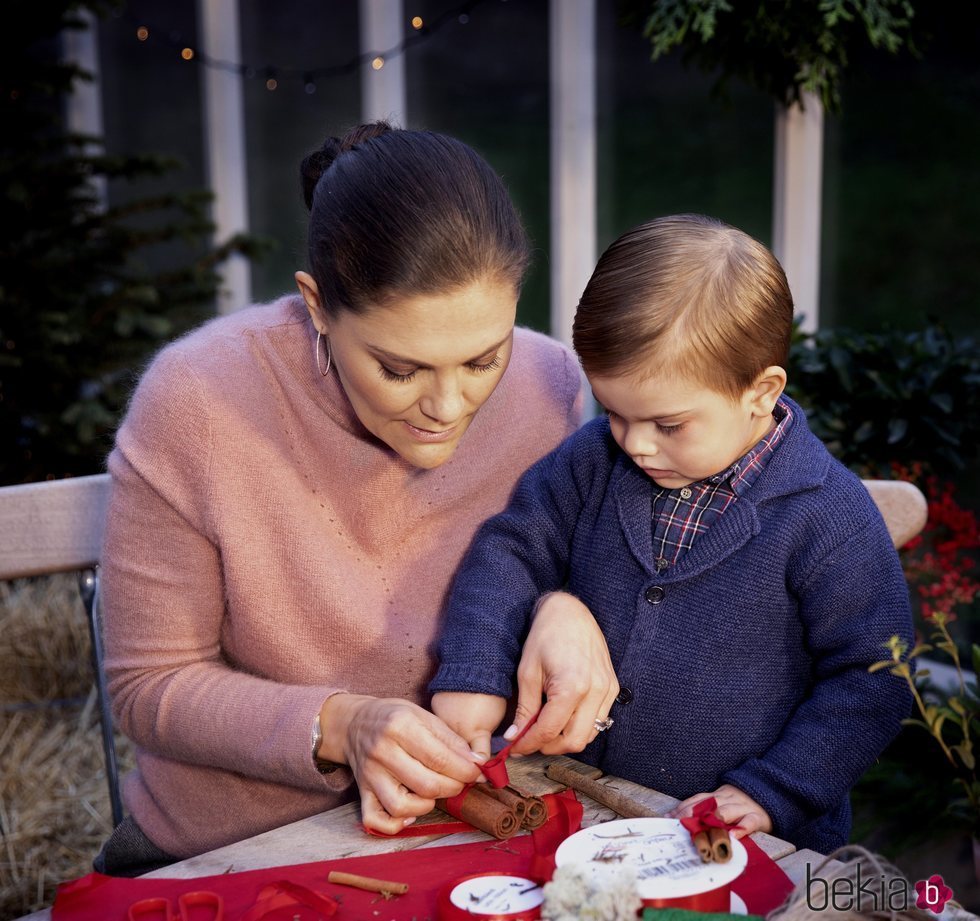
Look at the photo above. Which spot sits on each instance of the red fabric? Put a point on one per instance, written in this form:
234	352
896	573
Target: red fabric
712	902
103	898
762	886
564	818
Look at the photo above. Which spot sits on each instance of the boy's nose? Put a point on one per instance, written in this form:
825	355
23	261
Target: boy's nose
637	445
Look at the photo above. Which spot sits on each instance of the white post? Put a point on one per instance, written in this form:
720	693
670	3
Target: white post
84	115
573	157
224	120
382	79
798	182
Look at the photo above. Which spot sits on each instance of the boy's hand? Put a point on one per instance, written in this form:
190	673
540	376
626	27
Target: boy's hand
734	808
473	717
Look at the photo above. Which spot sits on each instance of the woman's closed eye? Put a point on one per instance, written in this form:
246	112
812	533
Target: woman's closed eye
404	377
483	367
390	375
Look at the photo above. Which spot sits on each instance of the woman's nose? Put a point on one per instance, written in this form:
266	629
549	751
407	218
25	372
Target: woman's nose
443	402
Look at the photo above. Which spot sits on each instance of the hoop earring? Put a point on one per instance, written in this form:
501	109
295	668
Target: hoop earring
323	371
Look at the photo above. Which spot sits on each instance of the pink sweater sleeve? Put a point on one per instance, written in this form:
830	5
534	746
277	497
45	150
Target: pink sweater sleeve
172	691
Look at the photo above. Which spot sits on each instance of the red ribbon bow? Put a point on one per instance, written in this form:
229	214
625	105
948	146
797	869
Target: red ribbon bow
705	817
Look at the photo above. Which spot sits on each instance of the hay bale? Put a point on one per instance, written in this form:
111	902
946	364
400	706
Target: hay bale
54	800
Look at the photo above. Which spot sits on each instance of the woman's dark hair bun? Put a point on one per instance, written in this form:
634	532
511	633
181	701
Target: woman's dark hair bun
397	213
318	162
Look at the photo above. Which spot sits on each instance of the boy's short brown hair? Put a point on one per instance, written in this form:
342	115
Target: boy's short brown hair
685	294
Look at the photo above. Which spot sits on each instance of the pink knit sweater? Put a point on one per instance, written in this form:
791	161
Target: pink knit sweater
263	549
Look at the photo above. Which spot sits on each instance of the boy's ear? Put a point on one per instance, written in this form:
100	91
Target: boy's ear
766	390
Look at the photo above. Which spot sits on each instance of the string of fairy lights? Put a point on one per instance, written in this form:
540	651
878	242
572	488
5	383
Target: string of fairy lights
275	74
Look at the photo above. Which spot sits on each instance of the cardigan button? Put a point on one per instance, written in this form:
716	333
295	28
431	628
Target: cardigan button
654	594
624	696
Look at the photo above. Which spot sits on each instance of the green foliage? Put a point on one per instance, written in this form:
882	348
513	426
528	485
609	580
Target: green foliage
783	47
80	308
951	715
879	398
905	797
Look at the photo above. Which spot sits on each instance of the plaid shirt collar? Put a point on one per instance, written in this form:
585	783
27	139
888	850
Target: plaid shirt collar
681	515
745	471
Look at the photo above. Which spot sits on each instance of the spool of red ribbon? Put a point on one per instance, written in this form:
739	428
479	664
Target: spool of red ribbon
492	896
712	901
669	871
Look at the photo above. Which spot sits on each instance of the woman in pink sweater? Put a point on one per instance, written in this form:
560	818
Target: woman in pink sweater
292	489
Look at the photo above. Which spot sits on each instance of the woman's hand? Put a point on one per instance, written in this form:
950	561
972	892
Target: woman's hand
566	660
734	808
402	756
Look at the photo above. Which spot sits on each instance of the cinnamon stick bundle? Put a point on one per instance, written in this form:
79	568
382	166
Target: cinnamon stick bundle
509	797
703	845
530	810
484	812
713	844
536	814
721	845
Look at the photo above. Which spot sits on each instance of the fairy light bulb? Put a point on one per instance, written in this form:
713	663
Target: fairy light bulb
378	62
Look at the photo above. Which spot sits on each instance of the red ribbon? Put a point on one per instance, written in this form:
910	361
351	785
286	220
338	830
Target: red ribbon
715	900
495	770
705	817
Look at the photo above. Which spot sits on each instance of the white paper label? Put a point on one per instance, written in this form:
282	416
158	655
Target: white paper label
496	895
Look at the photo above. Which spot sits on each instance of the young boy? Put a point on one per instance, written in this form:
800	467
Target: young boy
743	578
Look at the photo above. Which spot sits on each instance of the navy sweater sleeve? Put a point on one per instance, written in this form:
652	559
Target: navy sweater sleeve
516	557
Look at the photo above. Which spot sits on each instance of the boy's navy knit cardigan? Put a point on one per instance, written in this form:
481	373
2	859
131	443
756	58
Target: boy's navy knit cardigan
745	663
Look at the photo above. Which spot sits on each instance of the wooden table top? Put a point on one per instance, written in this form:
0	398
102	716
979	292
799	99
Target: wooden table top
338	833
